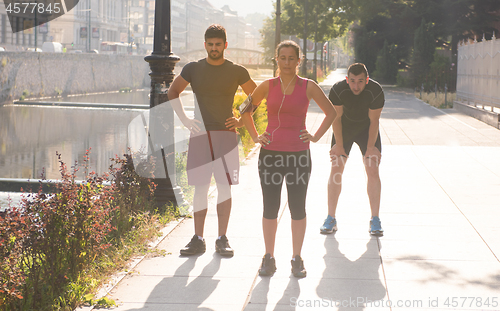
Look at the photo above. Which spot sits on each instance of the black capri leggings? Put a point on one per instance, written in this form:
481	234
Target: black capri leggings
274	168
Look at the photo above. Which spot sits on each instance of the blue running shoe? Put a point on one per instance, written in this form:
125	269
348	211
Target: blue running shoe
376	227
329	226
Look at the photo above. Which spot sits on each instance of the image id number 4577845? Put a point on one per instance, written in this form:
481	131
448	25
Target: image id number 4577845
470	302
27	7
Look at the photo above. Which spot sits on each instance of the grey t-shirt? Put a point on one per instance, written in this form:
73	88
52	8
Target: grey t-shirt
214	88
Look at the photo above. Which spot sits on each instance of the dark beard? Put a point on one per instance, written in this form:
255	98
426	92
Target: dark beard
220	55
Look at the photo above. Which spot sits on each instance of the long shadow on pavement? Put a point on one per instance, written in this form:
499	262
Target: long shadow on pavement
261	291
351	285
174	293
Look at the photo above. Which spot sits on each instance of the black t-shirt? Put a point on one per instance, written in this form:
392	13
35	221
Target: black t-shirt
356	107
214	88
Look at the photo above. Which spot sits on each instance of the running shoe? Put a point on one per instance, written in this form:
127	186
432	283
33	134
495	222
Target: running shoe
376	227
222	247
195	246
268	266
329	226
298	269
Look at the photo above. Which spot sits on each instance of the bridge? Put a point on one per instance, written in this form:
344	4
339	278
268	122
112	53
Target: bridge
252	59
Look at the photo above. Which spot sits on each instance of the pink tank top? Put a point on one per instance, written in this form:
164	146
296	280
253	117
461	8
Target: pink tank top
285	124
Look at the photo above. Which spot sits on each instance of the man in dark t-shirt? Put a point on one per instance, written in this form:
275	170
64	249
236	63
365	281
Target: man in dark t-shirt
213	147
358	101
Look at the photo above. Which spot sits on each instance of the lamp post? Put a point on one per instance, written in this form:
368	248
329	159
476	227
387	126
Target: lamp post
278	32
35	26
89	31
162	62
304	44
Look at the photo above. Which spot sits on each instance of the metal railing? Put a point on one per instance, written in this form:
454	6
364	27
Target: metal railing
480	101
478	73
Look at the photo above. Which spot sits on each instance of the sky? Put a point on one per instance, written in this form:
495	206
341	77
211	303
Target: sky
244	7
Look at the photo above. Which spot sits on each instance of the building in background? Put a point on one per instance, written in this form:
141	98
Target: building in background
83	28
99	24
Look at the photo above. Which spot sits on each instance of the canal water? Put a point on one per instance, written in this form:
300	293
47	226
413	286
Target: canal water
33	132
31	135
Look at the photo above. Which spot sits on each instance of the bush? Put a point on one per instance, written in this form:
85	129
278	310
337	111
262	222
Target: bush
57	248
259	117
61	234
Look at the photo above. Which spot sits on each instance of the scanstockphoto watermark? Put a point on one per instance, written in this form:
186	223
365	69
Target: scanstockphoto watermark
472	302
354	302
298	171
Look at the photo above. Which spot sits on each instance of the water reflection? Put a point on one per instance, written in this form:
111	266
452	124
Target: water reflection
31	136
136	97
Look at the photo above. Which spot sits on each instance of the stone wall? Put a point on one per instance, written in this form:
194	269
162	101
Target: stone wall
51	74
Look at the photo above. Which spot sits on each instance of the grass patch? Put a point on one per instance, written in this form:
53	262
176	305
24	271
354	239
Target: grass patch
439	100
259	117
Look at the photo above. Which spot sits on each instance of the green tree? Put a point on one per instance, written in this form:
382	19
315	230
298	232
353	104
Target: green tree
423	52
386	65
378	21
268	33
455	20
397	20
365	47
439	70
326	19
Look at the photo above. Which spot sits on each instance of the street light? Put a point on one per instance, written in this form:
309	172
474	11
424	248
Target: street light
162	62
278	32
89	31
304	44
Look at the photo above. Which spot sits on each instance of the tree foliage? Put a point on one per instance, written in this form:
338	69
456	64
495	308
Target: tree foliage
386	65
268	32
423	52
397	21
324	15
375	21
328	17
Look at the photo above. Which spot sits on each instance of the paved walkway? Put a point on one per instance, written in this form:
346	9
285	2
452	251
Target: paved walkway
440	210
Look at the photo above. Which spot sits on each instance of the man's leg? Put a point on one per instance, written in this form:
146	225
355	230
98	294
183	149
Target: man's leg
334	189
224	207
200	206
335	184
374	186
223	212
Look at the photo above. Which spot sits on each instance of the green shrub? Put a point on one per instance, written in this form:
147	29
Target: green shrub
259	117
56	249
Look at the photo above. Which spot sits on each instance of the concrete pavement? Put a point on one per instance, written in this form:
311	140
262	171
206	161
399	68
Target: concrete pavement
440	210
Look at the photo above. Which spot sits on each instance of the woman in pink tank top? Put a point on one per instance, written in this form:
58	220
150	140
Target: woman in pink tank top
285	156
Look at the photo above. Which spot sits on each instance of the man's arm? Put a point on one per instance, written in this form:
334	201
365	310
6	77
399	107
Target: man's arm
371	150
174	91
338	148
248	87
233	123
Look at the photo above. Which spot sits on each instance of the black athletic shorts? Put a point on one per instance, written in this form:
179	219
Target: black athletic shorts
356	134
